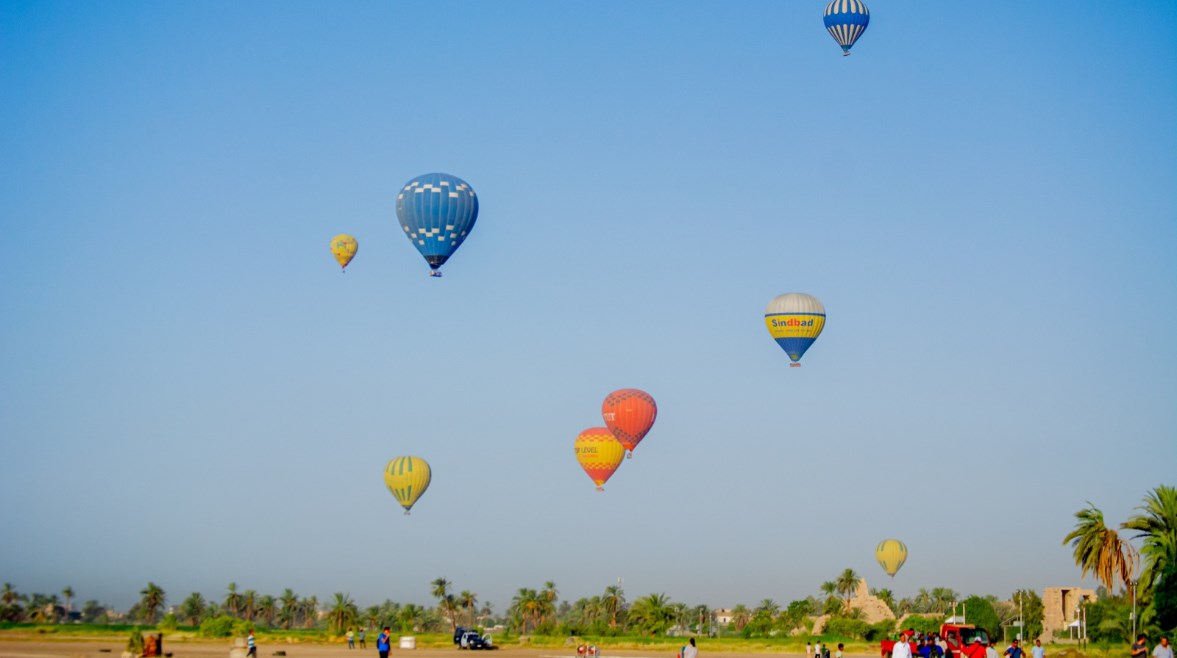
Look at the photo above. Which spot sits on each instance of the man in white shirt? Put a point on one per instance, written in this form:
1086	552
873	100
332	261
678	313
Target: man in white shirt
1038	651
1163	650
902	649
690	651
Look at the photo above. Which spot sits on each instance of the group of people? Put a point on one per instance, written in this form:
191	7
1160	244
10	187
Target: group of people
352	636
1140	648
821	650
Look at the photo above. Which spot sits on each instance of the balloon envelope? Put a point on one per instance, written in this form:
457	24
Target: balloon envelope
344	248
437	212
407	478
795	320
629	414
599	454
846	20
891	554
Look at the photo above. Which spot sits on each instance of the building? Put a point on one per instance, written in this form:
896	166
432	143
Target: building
1061	610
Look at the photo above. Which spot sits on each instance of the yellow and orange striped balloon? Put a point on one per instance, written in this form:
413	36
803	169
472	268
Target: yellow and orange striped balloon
599	454
407	478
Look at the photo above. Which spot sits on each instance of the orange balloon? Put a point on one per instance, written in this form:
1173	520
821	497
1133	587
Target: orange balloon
599	454
630	414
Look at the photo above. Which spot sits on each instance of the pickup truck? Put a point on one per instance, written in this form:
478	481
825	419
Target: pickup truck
955	636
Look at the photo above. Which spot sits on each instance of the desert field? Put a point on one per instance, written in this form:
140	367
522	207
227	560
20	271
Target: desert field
188	648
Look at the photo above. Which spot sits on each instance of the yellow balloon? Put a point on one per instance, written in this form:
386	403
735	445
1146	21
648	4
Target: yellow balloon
891	554
599	454
407	478
344	248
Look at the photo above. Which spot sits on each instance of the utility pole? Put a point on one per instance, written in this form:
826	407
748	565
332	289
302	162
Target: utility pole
1133	584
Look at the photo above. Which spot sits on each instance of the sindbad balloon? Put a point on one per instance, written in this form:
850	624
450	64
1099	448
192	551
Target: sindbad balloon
407	478
846	20
599	454
344	248
891	554
795	320
629	414
437	212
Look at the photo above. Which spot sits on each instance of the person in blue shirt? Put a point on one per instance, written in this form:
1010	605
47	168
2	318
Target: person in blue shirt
249	641
384	643
1014	651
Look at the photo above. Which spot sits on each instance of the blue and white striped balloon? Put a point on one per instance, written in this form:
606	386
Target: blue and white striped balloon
846	20
437	212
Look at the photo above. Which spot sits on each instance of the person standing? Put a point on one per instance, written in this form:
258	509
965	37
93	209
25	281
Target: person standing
1163	649
1014	651
975	649
839	654
690	651
383	643
808	649
1038	651
252	644
1140	647
362	634
991	650
351	638
901	649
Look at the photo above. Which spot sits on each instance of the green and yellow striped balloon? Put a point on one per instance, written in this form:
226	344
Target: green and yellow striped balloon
891	554
407	478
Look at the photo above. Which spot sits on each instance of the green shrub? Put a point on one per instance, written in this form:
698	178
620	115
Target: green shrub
854	629
169	623
224	626
880	630
922	624
135	643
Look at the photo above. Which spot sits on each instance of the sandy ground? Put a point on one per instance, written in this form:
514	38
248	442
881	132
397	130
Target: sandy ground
112	648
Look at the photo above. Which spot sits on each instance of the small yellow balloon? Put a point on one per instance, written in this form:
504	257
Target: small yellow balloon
344	248
891	554
407	478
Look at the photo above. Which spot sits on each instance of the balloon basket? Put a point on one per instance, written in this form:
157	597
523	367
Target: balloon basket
629	454
600	488
794	365
408	513
435	273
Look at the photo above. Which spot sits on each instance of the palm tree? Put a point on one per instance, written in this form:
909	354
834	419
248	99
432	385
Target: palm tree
153	599
248	604
267	608
846	584
740	616
1156	524
192	608
613	602
289	612
548	596
343	613
1099	550
310	611
68	593
410	617
468	600
441	590
232	600
651	614
830	589
524	606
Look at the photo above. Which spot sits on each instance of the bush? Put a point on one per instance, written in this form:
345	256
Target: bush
854	629
169	623
135	643
922	624
880	630
224	626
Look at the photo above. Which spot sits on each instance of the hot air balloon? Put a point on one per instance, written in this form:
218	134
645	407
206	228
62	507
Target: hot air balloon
599	454
344	247
891	554
407	478
629	415
437	212
846	20
795	320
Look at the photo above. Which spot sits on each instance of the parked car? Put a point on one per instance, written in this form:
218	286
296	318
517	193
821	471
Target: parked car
468	638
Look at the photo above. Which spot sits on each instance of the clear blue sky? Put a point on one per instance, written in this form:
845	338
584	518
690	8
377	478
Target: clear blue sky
984	196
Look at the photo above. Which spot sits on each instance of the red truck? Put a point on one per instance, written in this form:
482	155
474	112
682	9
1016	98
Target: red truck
955	636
